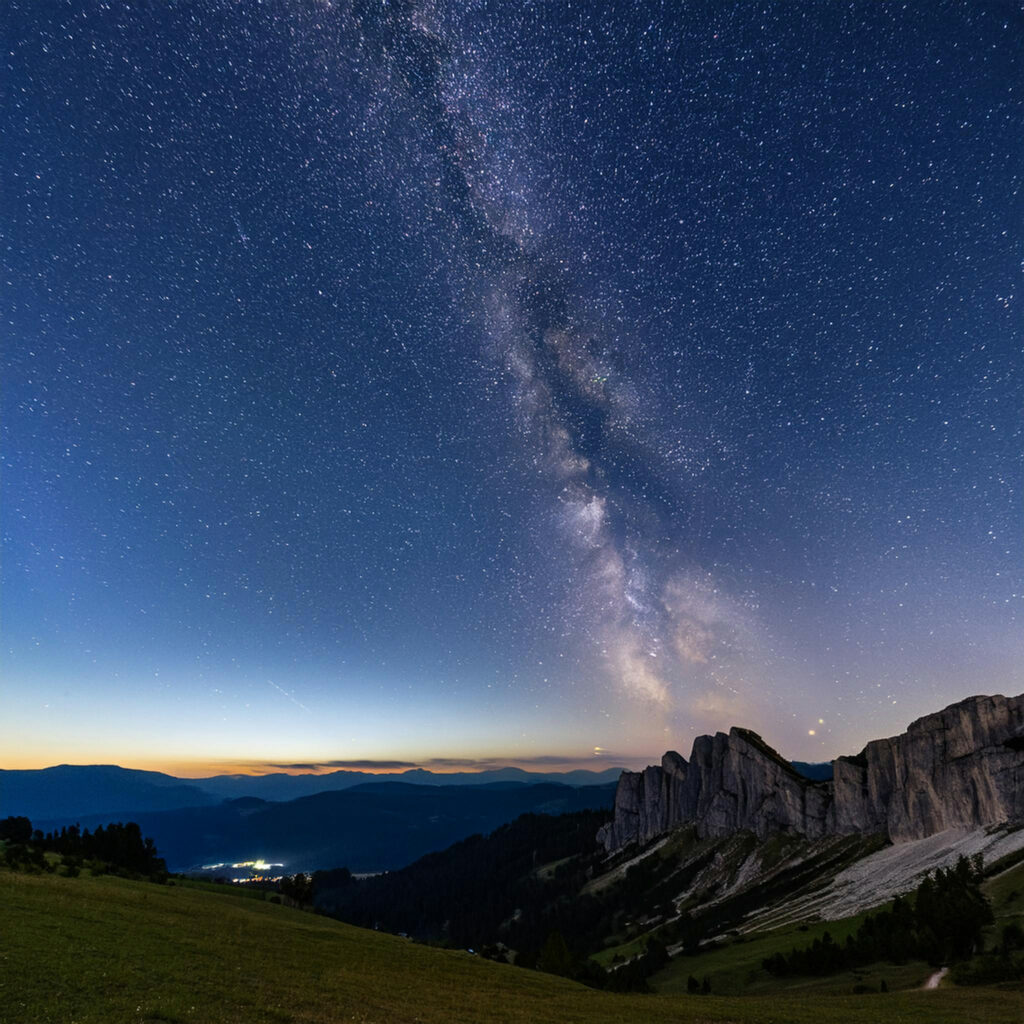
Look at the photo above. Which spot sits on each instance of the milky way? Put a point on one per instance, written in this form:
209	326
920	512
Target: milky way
398	380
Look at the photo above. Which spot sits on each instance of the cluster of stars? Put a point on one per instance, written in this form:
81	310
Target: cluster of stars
656	359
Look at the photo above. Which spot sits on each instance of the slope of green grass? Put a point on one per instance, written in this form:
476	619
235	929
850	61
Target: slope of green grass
224	888
1006	891
107	950
735	968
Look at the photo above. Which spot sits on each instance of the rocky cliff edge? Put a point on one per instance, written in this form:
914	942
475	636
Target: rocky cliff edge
962	767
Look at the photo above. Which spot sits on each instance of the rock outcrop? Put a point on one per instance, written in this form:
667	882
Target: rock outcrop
957	768
962	767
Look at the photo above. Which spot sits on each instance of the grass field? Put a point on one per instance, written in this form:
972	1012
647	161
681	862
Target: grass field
1006	891
108	950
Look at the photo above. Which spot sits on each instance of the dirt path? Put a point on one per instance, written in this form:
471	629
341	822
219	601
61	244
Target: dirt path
933	981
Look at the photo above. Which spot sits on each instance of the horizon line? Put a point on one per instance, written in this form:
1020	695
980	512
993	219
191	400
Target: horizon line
252	769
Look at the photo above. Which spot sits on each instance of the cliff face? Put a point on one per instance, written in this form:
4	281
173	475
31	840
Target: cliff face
731	782
960	767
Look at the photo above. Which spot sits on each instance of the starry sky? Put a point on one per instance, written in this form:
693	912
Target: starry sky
469	383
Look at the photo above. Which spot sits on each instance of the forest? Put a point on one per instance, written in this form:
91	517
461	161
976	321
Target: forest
119	848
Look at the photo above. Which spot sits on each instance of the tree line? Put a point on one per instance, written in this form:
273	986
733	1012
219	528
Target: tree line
118	847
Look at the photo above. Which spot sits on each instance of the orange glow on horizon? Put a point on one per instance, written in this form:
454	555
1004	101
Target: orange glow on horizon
205	769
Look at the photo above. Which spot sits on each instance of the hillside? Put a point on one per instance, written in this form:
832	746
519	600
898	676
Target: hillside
106	949
68	791
507	893
735	967
372	827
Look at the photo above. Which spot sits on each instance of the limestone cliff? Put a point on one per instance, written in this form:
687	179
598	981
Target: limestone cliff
958	768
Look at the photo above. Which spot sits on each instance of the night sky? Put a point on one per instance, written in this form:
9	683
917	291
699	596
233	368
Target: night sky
476	382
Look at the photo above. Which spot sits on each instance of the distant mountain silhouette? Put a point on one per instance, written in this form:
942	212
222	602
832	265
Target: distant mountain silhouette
820	772
71	791
370	827
279	786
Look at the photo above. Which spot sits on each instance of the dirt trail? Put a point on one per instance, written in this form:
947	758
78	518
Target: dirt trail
933	981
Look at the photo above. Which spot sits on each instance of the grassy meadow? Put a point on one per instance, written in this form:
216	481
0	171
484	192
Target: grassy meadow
108	950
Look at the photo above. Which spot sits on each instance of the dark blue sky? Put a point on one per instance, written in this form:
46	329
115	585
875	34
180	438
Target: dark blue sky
506	381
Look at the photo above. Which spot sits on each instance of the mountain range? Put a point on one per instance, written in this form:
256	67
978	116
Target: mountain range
649	874
731	843
959	768
368	828
69	792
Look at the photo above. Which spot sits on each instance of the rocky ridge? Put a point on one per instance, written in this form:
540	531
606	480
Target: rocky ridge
959	768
